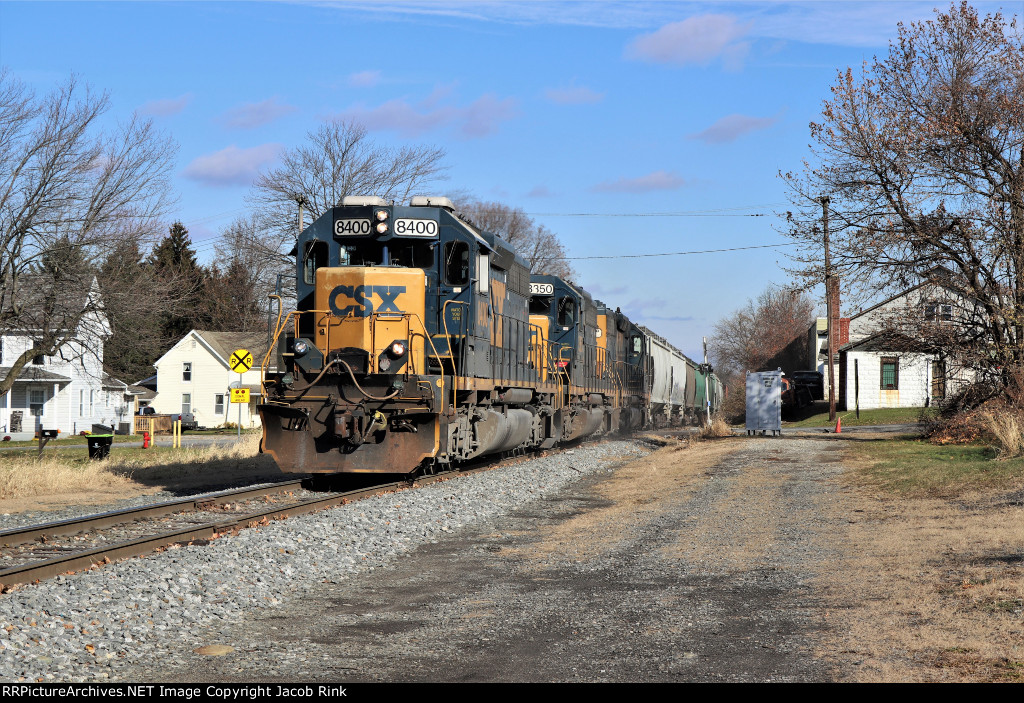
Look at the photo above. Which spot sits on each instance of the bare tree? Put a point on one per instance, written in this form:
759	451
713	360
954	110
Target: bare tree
757	335
536	243
69	192
243	247
922	156
336	160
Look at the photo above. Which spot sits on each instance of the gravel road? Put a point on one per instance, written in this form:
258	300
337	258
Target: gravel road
695	565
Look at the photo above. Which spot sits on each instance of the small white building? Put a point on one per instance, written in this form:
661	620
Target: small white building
195	376
68	391
887	364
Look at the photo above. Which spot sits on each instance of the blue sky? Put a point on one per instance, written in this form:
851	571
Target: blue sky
626	127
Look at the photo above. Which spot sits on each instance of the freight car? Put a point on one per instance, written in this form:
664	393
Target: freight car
418	341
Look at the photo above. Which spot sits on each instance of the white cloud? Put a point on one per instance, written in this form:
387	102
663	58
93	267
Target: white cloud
696	40
232	166
658	180
573	95
364	79
252	115
865	23
540	191
166	106
410	119
731	127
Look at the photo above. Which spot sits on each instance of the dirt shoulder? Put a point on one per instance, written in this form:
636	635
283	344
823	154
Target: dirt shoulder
928	589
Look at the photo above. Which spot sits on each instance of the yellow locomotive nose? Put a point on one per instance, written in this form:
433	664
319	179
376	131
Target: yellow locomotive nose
372	308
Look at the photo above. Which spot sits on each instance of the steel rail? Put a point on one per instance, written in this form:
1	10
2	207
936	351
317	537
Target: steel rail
24	535
35	571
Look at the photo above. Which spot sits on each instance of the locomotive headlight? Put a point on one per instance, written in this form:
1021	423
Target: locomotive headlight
397	348
381	215
300	347
382	227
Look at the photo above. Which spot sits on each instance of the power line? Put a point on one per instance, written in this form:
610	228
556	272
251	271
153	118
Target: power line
678	253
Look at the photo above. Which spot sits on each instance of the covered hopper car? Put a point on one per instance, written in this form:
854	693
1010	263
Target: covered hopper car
419	341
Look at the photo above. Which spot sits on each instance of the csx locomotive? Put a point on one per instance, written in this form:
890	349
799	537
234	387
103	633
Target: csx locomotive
419	341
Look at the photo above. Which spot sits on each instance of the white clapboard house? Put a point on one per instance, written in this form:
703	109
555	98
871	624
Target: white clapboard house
195	376
68	391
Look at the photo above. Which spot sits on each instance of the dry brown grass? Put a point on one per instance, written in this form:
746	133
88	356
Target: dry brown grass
60	479
23	477
717	428
930	589
1007	429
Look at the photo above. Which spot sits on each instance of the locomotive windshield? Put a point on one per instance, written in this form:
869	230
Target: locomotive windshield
395	252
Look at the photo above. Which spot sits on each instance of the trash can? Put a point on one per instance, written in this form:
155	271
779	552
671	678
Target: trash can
99	445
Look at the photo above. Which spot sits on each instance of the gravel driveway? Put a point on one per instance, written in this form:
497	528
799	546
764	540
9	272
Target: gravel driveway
693	565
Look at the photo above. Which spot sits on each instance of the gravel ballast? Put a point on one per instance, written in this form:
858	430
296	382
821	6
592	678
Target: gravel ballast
94	625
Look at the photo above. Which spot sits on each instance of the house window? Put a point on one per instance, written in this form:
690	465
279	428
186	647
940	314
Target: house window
186	403
218	404
81	403
186	371
890	380
938	312
92	406
35	403
938	380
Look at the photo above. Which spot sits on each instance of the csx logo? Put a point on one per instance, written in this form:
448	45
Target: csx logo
362	295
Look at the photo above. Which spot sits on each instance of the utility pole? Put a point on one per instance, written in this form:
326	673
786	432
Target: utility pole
831	312
301	200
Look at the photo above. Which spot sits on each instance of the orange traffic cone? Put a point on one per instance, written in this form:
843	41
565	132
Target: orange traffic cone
839	425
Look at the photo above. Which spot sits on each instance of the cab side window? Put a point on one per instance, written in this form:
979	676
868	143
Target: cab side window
456	263
316	257
566	312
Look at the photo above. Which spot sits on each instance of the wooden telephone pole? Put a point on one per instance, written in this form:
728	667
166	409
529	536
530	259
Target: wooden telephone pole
832	313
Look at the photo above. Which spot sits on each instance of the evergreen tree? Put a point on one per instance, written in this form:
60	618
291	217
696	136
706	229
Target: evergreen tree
174	265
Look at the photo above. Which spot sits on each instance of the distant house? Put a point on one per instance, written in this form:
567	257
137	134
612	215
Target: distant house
888	364
69	391
195	376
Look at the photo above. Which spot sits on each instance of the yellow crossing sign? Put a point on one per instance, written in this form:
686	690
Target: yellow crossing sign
240	361
239	395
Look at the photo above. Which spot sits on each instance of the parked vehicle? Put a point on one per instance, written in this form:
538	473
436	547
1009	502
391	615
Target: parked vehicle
188	421
813	381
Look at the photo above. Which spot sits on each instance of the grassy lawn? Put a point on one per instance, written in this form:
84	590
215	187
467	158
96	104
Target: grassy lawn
915	467
880	416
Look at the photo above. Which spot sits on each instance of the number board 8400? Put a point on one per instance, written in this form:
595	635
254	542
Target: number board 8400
407	227
349	228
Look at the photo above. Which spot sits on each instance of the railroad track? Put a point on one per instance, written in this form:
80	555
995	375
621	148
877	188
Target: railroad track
37	552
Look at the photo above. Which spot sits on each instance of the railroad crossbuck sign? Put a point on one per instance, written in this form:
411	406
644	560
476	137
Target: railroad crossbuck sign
240	361
239	395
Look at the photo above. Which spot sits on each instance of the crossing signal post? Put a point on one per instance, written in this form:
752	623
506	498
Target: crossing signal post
240	362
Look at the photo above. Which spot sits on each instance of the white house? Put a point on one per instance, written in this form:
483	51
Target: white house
887	364
195	376
67	392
